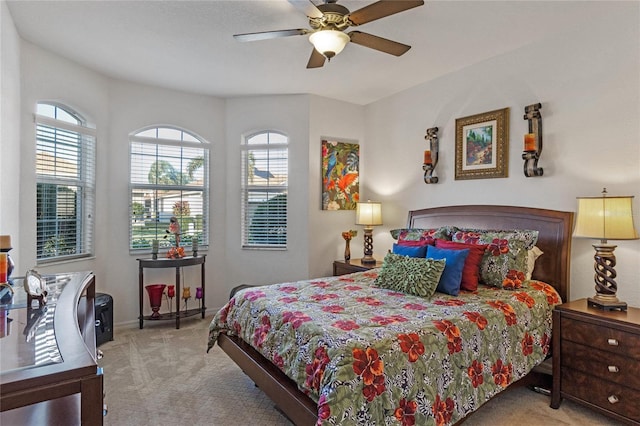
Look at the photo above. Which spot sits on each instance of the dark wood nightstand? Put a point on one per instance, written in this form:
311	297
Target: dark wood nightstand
596	359
342	267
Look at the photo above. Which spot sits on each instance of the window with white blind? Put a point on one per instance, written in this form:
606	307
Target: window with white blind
265	175
65	180
169	177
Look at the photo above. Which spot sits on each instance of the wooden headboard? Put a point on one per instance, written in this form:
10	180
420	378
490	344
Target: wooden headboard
554	229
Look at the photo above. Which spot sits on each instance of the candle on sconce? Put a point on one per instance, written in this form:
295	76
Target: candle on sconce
530	142
198	292
186	293
171	291
427	157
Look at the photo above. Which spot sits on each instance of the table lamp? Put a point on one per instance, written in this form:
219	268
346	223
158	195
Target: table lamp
605	218
368	214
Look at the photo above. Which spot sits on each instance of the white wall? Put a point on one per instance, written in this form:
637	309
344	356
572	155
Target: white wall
10	131
590	96
587	81
336	121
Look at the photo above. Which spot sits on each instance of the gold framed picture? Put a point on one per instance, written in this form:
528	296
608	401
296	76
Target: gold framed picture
482	145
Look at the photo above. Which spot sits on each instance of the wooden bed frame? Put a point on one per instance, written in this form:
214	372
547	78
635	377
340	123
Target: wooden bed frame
552	267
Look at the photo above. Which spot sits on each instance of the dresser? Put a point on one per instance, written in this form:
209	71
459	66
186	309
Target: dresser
49	373
596	359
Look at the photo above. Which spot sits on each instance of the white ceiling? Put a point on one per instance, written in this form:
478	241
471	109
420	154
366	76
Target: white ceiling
188	45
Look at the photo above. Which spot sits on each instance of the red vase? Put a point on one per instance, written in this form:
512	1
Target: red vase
155	298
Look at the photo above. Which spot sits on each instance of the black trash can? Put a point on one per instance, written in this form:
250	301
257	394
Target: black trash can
104	318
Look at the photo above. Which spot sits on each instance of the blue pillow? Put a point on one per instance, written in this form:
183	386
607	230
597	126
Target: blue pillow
411	251
452	275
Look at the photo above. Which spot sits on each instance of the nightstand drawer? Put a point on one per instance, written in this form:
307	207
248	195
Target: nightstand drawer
613	367
601	337
607	395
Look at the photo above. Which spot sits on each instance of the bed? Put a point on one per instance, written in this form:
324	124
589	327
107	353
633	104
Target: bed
348	367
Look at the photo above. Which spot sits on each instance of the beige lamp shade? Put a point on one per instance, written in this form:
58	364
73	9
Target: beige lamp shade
369	213
605	218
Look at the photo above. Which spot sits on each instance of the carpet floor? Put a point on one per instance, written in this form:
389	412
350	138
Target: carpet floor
160	375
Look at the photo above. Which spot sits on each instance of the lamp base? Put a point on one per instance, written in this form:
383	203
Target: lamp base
368	259
606	303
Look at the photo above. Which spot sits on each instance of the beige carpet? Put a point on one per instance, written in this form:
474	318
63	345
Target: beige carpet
160	375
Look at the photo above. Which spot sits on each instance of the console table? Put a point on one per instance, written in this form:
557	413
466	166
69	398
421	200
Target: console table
48	373
171	263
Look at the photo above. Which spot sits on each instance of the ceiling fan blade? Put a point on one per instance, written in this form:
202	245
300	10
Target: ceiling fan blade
316	60
307	7
381	9
378	43
265	35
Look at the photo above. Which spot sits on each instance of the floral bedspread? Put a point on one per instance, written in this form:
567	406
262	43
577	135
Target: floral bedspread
369	356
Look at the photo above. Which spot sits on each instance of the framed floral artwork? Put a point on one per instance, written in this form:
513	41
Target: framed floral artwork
340	175
482	145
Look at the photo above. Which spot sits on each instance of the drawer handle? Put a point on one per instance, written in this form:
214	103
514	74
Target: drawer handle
613	399
612	342
613	369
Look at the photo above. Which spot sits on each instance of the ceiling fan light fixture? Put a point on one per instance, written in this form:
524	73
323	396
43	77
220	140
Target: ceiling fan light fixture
329	42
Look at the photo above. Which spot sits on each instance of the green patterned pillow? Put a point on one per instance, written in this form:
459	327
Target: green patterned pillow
411	275
427	236
487	236
504	264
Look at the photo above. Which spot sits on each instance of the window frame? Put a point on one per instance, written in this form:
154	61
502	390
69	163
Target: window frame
84	202
194	142
246	188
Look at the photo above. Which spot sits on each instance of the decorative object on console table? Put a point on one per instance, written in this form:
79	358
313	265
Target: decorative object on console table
368	214
533	141
194	246
605	218
343	267
596	359
155	245
482	145
431	156
155	298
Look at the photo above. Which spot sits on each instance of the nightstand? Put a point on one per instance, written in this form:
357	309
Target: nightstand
596	359
341	267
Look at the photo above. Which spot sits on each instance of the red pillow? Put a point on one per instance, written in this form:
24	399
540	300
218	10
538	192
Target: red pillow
471	270
410	243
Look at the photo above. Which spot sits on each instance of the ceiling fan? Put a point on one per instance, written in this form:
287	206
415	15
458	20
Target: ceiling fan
329	20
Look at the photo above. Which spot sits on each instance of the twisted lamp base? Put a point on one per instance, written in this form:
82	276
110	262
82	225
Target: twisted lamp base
605	275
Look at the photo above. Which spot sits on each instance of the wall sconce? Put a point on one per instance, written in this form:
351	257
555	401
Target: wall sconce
431	156
532	141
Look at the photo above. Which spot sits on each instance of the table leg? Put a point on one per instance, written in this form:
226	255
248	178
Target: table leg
140	294
203	293
178	297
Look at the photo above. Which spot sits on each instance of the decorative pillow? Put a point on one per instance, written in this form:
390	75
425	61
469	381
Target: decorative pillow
425	236
488	236
411	251
504	265
532	256
417	276
471	270
451	278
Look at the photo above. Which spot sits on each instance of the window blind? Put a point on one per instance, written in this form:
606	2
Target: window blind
65	184
168	177
265	177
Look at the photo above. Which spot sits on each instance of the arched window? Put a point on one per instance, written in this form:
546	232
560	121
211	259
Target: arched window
265	175
65	179
169	177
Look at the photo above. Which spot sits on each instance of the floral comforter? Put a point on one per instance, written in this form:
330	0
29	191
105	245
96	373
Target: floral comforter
369	356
